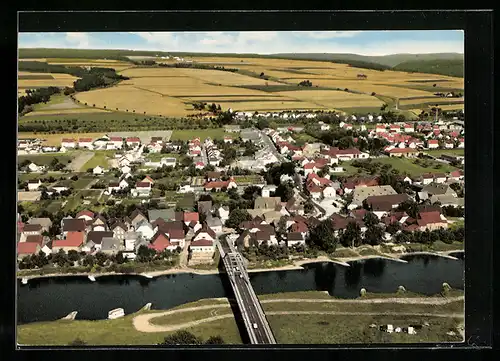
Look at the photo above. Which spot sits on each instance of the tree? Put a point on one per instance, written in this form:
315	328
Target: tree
181	338
351	235
410	207
285	191
373	235
251	192
236	217
308	206
215	340
370	219
323	236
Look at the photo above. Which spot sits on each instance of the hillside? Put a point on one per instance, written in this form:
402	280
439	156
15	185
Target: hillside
443	67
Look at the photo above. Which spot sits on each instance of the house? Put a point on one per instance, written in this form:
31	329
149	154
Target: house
164	214
439	189
220	185
295	238
149	180
213	176
432	144
145	229
119	230
461	143
223	213
73	241
33	185
161	242
293	206
98	170
395	128
45	223
228	139
199	165
361	193
94	240
232	128
456	175
142	189
205	207
85	143
380	205
136	217
177	237
73	225
133	141
202	247
215	224
168	162
113	186
191	217
268	189
449	144
204	232
68	143
409	128
401	152
427	178
86	215
131	241
111	245
99	223
126	169
447	200
380	128
33	245
267	203
431	220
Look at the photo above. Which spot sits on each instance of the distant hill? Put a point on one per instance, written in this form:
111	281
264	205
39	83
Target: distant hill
437	63
438	66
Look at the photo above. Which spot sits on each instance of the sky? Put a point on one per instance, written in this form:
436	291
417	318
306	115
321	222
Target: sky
259	42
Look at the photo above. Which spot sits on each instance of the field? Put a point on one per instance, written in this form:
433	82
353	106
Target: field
405	165
100	158
28	80
217	133
454	152
55	139
44	159
170	92
306	328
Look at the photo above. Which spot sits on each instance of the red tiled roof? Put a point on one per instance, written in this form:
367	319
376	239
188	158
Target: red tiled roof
433	141
456	173
202	242
85	140
148	179
191	216
309	165
200	163
402	150
73	239
313	188
133	139
143	185
160	242
68	140
116	139
85	213
27	247
176	234
216	184
299	227
429	217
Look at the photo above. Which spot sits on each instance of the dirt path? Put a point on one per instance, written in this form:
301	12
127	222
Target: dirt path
142	323
80	160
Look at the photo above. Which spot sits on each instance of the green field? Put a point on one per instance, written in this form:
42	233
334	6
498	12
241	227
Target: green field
439	152
188	134
156	157
28	176
100	158
288	329
404	165
82	182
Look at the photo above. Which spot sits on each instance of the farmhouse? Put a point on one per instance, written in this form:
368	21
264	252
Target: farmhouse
85	143
133	141
142	189
68	143
117	141
33	185
432	144
380	205
401	152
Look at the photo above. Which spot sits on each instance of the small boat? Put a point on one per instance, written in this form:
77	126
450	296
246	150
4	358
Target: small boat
147	276
116	313
24	281
92	278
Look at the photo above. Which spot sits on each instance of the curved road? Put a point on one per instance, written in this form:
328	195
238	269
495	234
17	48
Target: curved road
142	322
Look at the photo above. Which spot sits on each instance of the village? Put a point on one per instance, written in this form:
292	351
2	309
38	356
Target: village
253	187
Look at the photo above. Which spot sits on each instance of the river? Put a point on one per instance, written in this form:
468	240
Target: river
47	299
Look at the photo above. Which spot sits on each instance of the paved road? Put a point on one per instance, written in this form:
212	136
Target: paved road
269	143
79	161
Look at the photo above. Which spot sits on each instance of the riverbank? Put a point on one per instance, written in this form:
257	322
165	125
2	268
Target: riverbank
297	265
295	317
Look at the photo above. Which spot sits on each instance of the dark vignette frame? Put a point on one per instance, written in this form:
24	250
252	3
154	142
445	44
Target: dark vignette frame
479	155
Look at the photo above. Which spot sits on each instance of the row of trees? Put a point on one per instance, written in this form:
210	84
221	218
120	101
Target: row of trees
41	95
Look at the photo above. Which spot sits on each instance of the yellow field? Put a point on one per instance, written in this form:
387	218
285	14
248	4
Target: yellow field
334	99
55	139
128	97
428	100
168	91
60	80
65	111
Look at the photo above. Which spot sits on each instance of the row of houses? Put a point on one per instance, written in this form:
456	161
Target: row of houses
89	232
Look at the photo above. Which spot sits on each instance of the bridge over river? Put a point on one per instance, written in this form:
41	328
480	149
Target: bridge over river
251	310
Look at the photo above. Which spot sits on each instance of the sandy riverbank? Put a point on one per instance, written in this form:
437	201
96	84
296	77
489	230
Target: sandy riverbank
297	265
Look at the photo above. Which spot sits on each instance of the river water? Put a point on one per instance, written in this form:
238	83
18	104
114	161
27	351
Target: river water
47	299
